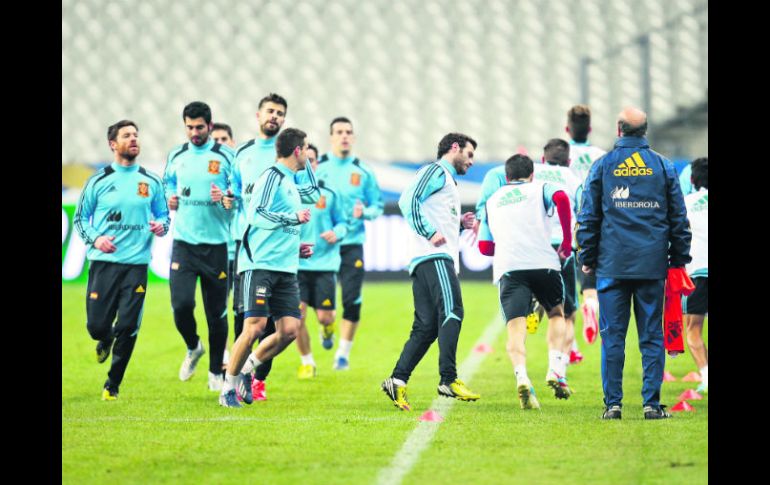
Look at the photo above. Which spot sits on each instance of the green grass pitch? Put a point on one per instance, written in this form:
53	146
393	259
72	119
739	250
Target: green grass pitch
339	428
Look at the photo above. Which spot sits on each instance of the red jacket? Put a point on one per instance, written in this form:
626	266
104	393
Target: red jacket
677	284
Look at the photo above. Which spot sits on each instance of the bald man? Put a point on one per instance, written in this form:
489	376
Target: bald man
632	227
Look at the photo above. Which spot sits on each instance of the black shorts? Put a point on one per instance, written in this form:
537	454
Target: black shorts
115	288
569	276
270	293
351	280
517	288
318	289
697	303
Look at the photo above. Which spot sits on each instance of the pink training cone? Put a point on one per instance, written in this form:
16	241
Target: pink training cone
483	349
691	377
431	415
668	377
690	394
683	406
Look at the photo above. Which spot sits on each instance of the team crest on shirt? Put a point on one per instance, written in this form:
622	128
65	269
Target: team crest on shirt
321	204
144	189
355	179
214	167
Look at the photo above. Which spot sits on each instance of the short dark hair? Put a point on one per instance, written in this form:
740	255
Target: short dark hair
627	129
556	151
339	119
446	143
273	98
518	167
288	140
700	173
197	109
579	122
223	126
112	131
310	146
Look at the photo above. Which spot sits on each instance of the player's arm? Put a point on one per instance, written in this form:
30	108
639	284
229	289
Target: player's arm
159	208
83	213
169	182
560	199
307	185
589	221
373	197
680	234
264	194
339	218
430	181
486	240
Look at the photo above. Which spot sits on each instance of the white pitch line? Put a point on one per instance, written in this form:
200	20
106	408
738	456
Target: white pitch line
422	435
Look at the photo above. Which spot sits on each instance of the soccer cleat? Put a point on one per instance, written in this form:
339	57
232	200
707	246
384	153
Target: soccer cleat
396	393
190	361
702	388
109	395
532	322
590	324
575	357
258	390
103	350
658	412
306	371
527	397
341	363
559	385
243	388
216	381
457	390
229	399
612	412
327	336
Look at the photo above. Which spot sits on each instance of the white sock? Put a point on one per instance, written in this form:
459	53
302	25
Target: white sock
593	303
704	374
399	382
564	362
344	349
554	361
230	382
251	363
574	345
521	375
308	359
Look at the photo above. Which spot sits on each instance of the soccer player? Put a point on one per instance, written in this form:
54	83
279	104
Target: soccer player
361	200
583	155
122	206
431	206
252	158
517	232
201	230
696	306
268	259
317	276
223	134
555	171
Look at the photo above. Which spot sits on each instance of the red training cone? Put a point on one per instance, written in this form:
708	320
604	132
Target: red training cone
691	394
683	406
483	349
691	377
431	415
668	377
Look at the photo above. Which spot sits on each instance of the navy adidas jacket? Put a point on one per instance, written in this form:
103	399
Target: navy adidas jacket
633	222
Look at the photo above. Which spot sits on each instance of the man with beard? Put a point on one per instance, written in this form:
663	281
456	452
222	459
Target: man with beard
200	239
122	206
431	206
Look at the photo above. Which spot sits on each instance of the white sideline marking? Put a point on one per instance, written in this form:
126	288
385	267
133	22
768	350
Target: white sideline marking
422	435
140	419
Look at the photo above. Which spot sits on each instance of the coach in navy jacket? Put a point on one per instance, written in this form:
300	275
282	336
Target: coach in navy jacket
632	226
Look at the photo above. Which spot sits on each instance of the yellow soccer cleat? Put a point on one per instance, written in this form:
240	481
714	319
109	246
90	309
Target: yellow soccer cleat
396	393
108	395
533	320
527	397
457	390
306	371
327	336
